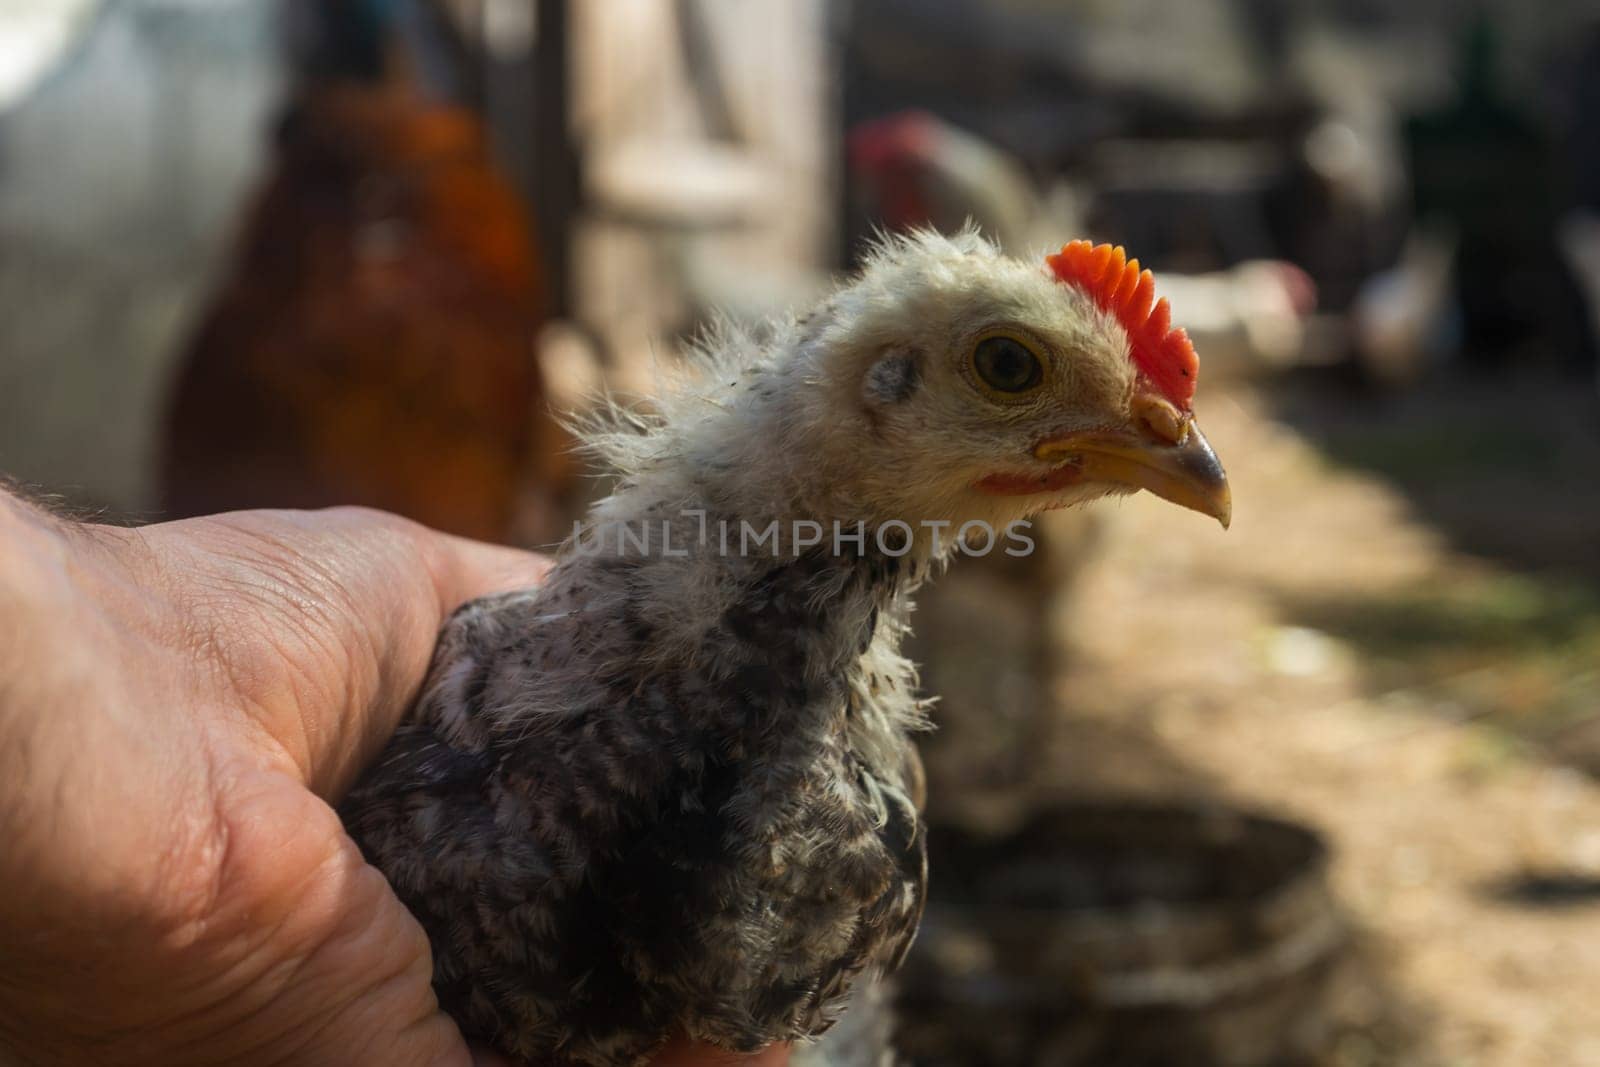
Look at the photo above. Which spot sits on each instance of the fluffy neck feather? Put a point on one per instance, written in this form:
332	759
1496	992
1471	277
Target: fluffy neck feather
733	440
755	428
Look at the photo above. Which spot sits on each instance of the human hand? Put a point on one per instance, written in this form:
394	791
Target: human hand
180	706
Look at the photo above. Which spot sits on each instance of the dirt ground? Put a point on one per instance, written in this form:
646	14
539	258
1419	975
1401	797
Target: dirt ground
1403	658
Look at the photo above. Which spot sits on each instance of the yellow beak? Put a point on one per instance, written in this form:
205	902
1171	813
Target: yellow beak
1184	471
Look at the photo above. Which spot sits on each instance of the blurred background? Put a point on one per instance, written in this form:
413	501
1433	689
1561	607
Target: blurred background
1321	790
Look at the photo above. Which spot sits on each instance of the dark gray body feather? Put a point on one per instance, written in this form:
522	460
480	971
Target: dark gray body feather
659	795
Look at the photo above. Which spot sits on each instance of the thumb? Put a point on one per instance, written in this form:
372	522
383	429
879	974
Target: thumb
465	570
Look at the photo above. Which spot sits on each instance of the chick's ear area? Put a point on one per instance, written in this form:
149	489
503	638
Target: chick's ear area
893	379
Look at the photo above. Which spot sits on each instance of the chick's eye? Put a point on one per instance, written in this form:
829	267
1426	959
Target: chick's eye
1006	365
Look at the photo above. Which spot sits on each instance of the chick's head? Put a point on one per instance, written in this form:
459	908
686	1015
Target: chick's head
956	384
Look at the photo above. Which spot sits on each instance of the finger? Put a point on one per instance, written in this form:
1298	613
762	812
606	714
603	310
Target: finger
467	570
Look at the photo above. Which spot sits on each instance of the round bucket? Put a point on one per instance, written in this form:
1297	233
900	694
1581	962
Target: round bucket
1125	935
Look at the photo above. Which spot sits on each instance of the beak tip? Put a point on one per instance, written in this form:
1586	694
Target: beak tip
1207	478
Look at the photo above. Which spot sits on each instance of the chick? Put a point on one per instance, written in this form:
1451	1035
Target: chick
673	790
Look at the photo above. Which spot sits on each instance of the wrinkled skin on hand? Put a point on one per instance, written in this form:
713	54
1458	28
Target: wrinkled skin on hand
180	706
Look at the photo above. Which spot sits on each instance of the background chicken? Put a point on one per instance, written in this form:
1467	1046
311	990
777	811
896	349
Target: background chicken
913	169
373	342
673	790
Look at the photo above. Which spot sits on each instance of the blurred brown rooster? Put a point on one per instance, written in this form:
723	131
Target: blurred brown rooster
373	342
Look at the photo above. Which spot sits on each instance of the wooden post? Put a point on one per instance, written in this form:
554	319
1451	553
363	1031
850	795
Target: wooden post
556	175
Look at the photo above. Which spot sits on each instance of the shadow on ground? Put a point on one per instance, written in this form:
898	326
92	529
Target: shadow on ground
1506	472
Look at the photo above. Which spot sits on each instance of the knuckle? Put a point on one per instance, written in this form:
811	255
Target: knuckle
253	863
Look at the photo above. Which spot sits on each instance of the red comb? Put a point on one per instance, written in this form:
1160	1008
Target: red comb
1165	356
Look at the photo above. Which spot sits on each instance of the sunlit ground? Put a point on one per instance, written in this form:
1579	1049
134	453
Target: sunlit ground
1397	642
